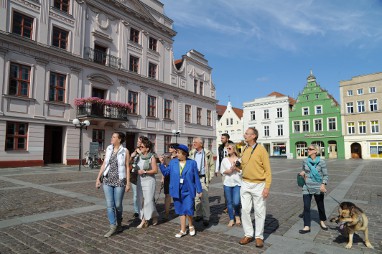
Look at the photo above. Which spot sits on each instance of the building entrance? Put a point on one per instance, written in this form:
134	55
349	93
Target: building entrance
52	144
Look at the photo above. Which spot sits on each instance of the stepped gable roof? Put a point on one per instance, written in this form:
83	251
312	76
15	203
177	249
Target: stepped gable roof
220	109
277	94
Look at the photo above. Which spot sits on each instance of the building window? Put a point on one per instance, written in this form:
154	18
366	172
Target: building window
318	124
305	111
190	141
253	115
201	88
19	80
332	124
16	136
361	106
167	142
209	118
227	121
210	141
372	89
266	131
98	93
195	86
231	121
62	5
360	91
318	110
362	127
57	87
133	100
153	139
307	97
266	113
317	95
152	70
280	130
374	126
99	136
151	106
100	54
349	108
153	44
351	128
60	38
279	112
187	114
134	64
305	126
134	35
22	25
199	116
167	109
373	105
350	92
296	126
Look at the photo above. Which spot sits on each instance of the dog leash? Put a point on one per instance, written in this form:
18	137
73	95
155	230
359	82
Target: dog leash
334	199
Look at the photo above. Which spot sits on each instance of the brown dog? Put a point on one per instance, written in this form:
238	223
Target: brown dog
355	220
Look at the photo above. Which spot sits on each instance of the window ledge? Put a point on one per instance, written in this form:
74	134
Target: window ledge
152	117
57	103
167	120
18	97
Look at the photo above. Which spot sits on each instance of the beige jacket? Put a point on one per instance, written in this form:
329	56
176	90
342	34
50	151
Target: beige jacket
209	162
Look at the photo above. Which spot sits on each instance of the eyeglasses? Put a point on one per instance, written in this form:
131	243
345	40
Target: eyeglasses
311	149
229	148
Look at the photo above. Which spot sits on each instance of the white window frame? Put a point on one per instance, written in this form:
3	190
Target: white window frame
372	89
266	130
279	112
374	126
253	115
315	109
299	126
350	92
359	105
266	114
350	125
359	91
302	125
328	124
314	124
363	127
373	107
303	109
348	107
280	130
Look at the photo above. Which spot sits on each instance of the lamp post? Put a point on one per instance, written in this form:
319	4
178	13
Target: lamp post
176	133
81	125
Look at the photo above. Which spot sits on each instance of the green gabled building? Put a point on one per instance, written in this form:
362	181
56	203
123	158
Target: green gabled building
316	118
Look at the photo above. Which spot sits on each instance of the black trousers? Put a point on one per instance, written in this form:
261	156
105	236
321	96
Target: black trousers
320	206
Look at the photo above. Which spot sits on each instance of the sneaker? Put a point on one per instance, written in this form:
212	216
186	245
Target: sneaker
113	229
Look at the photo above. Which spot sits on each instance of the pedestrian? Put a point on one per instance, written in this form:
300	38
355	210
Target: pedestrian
184	186
222	153
166	179
315	173
133	174
257	178
232	183
115	176
205	162
147	168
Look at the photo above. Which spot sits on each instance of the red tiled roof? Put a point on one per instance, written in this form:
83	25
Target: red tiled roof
277	94
221	109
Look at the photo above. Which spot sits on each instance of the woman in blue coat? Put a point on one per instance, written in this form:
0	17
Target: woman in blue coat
184	185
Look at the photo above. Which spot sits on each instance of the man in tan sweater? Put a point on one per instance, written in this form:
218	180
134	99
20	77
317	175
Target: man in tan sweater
257	178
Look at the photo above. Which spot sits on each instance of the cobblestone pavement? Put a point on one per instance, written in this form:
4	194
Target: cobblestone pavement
57	209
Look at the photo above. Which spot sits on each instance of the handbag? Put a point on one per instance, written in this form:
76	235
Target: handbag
300	180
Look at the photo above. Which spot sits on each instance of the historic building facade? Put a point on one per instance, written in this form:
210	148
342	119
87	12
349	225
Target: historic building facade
315	118
361	109
230	120
90	60
270	116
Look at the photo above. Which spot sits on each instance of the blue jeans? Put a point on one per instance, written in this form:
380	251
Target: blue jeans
232	196
135	200
114	197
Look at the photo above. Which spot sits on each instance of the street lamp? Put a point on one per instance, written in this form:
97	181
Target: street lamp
176	133
81	126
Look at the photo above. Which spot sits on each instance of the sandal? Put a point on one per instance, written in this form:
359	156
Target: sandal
238	221
144	224
155	221
192	230
180	234
231	223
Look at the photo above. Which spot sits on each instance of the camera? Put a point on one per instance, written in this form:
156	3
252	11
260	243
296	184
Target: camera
166	158
134	164
238	163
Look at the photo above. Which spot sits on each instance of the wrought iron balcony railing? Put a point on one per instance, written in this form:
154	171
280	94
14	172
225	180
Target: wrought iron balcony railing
101	111
101	57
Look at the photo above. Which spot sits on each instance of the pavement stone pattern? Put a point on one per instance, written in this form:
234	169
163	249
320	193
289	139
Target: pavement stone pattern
56	209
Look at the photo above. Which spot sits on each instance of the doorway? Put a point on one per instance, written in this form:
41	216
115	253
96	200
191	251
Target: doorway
130	142
356	151
53	144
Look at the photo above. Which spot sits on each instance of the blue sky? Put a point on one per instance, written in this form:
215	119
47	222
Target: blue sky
257	47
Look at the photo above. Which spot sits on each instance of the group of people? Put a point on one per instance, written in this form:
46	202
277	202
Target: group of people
246	177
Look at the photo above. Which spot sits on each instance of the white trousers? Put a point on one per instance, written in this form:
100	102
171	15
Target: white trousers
251	195
202	205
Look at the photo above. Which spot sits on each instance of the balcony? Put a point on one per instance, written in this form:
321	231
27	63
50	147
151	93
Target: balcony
100	57
97	108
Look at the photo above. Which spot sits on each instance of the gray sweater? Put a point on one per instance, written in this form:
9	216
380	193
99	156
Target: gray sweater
310	186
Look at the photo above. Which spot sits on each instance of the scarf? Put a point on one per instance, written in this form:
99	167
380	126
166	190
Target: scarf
312	164
146	161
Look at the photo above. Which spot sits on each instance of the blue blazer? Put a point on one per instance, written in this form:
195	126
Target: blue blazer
190	177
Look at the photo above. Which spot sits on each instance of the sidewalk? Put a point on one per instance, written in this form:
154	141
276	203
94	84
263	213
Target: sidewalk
58	210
